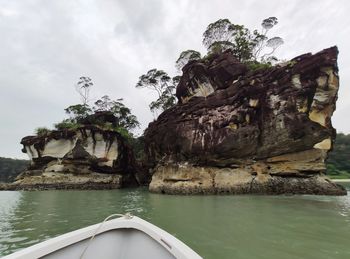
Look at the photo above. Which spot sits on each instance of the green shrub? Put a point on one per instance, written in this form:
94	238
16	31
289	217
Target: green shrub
67	124
42	131
106	126
254	65
124	132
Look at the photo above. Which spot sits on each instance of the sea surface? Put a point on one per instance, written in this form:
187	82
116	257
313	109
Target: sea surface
242	226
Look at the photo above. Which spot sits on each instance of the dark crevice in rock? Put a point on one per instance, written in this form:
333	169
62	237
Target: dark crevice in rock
251	183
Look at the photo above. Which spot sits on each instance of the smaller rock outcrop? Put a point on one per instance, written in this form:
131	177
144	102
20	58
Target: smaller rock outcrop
88	157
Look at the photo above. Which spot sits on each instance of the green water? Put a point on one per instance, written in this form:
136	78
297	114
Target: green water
214	226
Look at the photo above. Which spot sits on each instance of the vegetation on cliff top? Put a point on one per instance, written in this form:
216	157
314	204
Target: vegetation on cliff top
253	48
246	45
105	113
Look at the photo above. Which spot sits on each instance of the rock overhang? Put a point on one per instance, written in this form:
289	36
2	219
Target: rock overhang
88	157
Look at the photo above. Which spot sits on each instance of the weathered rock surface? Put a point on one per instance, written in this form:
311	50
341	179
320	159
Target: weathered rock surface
238	131
86	158
185	179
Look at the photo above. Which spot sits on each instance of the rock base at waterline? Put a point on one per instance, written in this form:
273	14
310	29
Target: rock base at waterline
48	181
88	157
180	179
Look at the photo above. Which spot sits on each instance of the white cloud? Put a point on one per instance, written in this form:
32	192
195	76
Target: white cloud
47	45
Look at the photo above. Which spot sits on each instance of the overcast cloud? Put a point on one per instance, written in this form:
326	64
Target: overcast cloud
45	46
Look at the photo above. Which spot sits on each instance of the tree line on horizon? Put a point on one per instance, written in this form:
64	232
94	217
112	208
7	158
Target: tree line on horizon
10	168
338	162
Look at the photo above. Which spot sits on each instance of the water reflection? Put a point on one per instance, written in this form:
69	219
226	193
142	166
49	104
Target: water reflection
8	201
215	226
133	202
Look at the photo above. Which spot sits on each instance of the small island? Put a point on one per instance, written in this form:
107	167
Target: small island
88	157
90	150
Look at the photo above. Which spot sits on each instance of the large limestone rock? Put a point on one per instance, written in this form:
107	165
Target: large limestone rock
240	131
86	158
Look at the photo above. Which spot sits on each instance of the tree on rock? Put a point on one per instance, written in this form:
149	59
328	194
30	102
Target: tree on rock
106	113
160	82
165	101
218	32
78	111
272	43
185	57
83	88
125	118
154	79
246	45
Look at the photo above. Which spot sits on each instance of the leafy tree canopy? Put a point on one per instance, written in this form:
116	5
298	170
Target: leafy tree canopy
246	45
268	23
125	118
163	84
78	111
106	113
185	57
219	31
42	131
165	101
82	114
83	88
154	79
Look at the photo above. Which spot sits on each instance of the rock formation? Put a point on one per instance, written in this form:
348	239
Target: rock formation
238	130
84	158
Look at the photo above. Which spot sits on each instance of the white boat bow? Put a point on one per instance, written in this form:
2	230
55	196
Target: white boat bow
127	237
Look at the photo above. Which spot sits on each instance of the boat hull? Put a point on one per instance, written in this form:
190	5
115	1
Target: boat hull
127	238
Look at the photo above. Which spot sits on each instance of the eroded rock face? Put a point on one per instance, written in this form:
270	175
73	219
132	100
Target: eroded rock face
203	78
270	127
86	158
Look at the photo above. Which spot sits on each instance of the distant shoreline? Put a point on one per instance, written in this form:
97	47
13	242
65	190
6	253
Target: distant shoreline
341	180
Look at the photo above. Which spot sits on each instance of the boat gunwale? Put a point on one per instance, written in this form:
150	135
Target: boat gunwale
173	245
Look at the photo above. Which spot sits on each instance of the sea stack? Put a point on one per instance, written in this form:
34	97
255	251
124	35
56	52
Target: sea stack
87	157
240	130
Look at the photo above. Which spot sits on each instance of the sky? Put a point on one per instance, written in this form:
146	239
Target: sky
45	46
